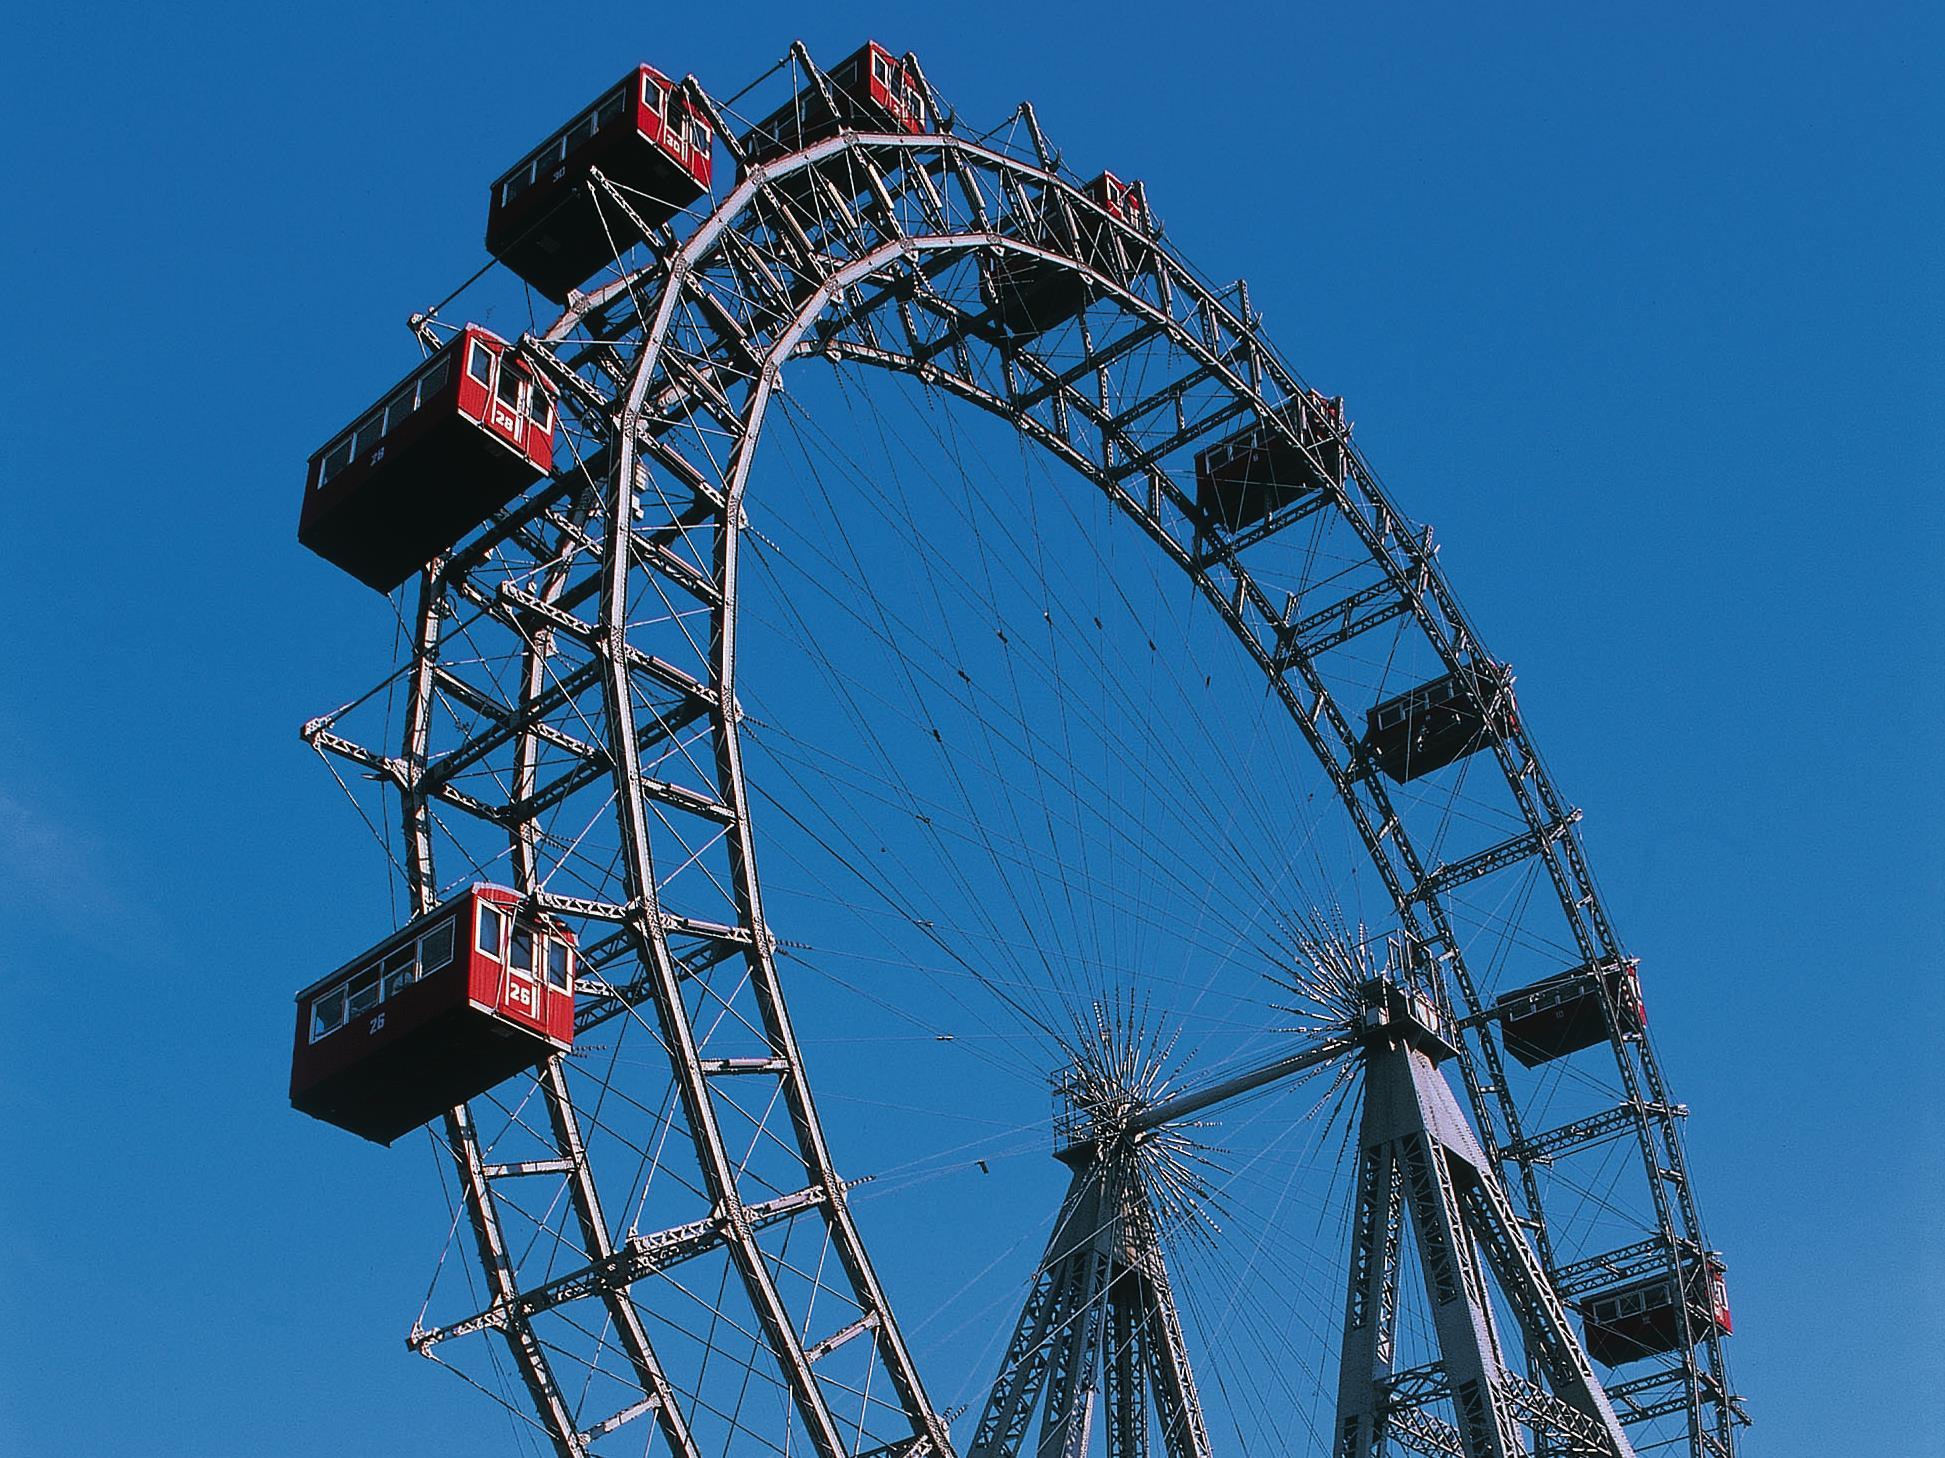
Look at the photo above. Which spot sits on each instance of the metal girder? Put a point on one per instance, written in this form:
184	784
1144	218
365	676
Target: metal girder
1551	1341
655	554
636	1259
1337	624
597	764
1634	1387
1643	1258
631	659
529	719
1573	1429
1185	1433
521	812
521	1168
846	1241
1420	1159
598	1004
496	1264
1096	361
1367	1388
1279	520
529	1357
1447	875
1586	1133
1423	1433
508	722
658	1394
609	638
1414	1387
1657	1393
1099	1327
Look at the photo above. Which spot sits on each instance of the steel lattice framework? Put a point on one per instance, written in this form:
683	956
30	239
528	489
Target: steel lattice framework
614	589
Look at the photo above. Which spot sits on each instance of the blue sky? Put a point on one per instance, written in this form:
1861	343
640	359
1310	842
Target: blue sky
1644	314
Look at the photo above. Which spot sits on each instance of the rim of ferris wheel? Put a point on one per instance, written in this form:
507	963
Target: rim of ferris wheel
879	249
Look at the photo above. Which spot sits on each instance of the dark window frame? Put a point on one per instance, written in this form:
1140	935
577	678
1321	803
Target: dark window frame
427	943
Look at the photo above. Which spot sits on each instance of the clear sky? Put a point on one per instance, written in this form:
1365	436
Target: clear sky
1643	313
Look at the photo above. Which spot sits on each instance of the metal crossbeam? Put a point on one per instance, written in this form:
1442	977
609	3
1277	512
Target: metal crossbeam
638	1258
1643	1258
1414	1387
1281	519
597	1003
590	771
521	1168
510	722
1586	1133
659	670
1446	876
1636	1396
1423	1433
819	1350
1634	1387
627	1415
1546	1413
1337	624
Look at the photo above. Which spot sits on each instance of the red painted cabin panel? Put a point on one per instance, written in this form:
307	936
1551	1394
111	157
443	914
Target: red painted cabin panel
1563	1014
875	92
451	444
1242	479
646	136
1030	295
439	1012
1125	202
1644	1318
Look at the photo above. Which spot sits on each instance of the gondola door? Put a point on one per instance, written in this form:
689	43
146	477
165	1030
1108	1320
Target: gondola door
506	405
520	993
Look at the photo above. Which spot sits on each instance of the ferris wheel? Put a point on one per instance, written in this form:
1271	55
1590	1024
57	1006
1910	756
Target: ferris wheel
1217	1037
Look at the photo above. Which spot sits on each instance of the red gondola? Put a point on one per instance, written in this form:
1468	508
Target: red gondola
437	1013
1563	1014
1125	202
1030	295
450	445
1431	726
645	135
1242	479
1643	1318
874	91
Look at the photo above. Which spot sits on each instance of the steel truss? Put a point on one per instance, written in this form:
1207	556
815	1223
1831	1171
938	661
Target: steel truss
615	588
1100	1317
1099	1328
1417	1158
